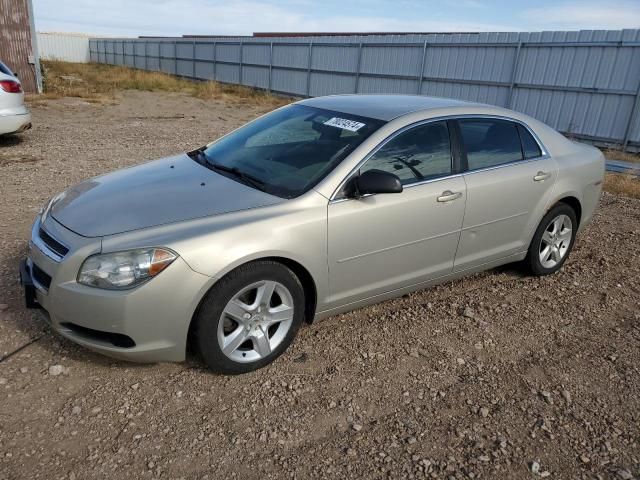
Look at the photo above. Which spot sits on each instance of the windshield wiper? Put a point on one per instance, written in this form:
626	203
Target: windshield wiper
199	156
236	172
246	178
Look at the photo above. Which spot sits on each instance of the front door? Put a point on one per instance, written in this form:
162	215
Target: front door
380	243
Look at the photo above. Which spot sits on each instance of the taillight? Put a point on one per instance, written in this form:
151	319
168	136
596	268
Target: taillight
10	86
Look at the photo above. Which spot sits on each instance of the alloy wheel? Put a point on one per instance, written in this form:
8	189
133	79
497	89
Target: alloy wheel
255	321
555	241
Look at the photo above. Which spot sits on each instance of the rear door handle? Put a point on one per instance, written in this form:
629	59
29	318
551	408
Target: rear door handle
448	196
541	176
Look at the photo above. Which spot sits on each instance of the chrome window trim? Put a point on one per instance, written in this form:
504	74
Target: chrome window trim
543	150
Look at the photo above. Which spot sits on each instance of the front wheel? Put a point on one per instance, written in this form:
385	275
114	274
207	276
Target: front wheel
249	317
552	241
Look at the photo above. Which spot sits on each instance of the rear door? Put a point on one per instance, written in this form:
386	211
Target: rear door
509	182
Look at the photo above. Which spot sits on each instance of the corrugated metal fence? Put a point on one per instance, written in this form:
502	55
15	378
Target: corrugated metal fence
584	83
69	47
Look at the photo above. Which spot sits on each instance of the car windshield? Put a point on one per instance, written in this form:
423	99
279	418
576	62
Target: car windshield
288	151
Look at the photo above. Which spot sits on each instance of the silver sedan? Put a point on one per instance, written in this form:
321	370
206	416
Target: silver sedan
319	207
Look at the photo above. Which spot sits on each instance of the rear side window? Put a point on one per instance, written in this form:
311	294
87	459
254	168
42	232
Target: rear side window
490	142
530	147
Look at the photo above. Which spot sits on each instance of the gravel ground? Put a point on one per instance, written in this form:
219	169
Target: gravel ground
494	376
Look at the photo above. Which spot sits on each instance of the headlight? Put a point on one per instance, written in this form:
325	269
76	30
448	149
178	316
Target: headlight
123	270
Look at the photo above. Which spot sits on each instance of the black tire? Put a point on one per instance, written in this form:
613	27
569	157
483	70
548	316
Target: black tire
532	261
210	314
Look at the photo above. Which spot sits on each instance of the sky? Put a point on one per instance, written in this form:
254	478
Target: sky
244	17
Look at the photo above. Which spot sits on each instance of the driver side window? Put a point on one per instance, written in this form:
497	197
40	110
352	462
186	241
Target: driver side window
420	153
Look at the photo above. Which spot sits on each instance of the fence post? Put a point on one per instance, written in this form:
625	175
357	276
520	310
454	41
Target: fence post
270	65
193	71
175	57
358	66
240	66
514	74
309	68
632	119
146	55
424	59
215	45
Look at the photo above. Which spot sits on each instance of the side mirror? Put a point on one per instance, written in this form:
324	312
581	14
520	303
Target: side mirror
376	181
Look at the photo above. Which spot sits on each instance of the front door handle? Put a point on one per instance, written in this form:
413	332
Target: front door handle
541	176
448	196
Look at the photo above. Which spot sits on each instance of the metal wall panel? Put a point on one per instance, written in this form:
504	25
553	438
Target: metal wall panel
205	71
184	68
67	47
227	73
335	58
204	51
491	95
257	77
289	81
586	83
331	84
391	60
292	56
256	54
228	53
388	85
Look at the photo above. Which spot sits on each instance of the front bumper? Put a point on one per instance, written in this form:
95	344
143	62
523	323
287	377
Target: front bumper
149	323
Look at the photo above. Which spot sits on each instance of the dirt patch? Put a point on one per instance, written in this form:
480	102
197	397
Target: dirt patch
494	376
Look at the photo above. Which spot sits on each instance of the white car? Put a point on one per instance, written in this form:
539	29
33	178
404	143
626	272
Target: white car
14	115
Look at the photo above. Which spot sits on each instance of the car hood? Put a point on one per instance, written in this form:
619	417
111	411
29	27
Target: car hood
163	191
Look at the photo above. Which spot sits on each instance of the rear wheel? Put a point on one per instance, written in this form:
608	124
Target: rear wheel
250	317
552	241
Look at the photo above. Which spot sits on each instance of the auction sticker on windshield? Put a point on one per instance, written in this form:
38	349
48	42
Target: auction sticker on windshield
344	124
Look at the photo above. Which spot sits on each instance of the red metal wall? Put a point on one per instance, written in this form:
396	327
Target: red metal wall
15	41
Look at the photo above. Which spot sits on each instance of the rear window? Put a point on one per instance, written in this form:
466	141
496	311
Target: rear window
530	147
6	70
490	142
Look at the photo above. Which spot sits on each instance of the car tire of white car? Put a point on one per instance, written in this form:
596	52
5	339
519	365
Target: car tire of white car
553	240
249	317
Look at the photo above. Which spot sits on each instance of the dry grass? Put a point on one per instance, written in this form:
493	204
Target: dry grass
620	155
100	83
621	184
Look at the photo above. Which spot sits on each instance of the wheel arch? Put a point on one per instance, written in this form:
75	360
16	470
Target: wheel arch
574	203
303	274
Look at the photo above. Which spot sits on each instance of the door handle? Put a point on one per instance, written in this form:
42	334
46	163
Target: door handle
541	176
448	196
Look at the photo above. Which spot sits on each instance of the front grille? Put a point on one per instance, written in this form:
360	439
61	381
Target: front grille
52	243
40	276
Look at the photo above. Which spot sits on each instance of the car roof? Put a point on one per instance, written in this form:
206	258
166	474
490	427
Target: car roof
383	107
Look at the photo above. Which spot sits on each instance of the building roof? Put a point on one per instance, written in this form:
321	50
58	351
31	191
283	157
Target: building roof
382	107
